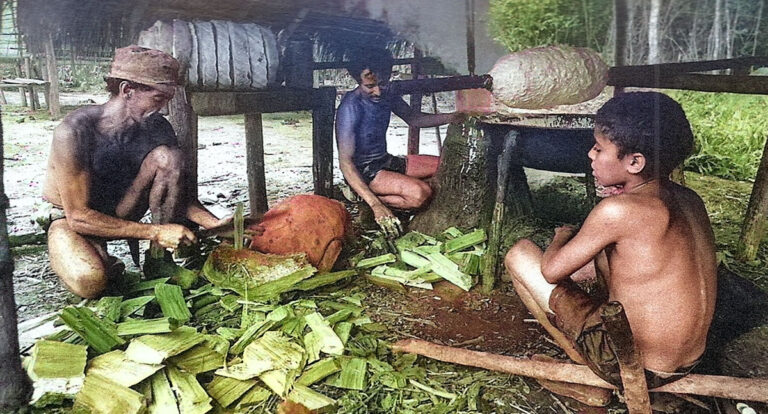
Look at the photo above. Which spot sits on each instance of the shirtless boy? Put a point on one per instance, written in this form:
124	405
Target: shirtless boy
380	179
108	164
652	242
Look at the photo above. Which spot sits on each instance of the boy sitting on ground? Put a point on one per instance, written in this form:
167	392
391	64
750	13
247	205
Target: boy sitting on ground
652	243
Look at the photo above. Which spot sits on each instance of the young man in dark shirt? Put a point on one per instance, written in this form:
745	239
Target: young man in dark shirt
379	178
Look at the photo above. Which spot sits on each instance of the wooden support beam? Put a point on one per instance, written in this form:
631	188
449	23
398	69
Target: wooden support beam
737	64
630	360
322	140
22	90
470	36
746	389
266	101
690	81
298	64
414	133
53	79
183	118
254	149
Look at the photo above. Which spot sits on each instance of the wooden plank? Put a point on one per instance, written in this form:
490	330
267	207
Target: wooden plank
223	55
148	38
241	65
254	151
193	74
206	46
257	56
322	140
687	67
266	101
164	39
694	82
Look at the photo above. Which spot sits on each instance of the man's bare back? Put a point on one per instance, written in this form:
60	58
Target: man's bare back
662	269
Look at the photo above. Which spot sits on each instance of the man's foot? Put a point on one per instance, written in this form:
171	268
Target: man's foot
585	394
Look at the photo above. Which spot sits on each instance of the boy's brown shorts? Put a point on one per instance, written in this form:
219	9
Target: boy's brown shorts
577	315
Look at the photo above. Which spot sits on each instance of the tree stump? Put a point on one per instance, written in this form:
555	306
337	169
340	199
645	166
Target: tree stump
464	186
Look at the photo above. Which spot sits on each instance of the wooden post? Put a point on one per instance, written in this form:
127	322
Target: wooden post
53	78
414	132
322	140
491	259
254	155
630	360
184	121
471	36
13	383
22	91
753	229
33	100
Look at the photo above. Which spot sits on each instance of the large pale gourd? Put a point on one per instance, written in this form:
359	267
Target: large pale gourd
543	77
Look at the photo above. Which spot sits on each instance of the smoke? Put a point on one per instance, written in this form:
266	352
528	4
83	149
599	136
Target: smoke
437	27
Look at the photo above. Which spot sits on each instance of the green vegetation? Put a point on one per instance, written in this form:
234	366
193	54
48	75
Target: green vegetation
730	132
520	24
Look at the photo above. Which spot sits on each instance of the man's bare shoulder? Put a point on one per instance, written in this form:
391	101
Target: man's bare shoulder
82	117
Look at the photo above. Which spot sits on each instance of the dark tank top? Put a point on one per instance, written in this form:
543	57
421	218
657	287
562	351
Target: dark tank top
370	128
115	161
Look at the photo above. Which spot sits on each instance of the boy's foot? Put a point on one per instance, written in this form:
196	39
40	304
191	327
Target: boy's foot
585	394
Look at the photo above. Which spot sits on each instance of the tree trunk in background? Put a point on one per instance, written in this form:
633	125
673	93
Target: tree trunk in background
13	381
620	33
53	77
464	189
693	48
757	26
653	32
715	42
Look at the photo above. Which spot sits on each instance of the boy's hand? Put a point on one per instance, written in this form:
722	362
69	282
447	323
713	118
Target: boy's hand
566	230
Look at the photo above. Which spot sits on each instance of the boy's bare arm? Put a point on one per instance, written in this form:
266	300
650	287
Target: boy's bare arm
571	250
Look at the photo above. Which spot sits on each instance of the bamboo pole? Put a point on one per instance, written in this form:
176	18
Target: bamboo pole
414	133
746	389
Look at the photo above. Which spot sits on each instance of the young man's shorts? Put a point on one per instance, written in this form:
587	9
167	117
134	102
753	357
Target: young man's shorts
577	315
368	169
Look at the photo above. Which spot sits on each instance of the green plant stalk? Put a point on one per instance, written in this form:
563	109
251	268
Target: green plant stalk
238	222
146	326
100	335
467	240
172	303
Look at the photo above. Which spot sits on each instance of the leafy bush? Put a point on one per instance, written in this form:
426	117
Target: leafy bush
520	24
730	132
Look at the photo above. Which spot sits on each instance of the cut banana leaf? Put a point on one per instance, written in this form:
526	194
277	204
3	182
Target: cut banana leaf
57	372
146	285
323	279
376	261
99	334
343	330
102	396
172	303
198	360
146	326
460	243
319	371
163	401
227	390
279	380
449	271
313	400
255	396
131	306
276	348
352	375
154	349
190	395
330	342
121	370
108	308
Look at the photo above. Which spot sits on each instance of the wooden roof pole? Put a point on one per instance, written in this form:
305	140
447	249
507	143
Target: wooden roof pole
620	26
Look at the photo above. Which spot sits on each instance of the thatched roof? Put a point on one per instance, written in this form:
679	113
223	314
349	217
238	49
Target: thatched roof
436	26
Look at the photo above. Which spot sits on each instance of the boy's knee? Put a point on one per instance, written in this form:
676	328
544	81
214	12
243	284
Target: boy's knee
517	255
87	283
421	194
